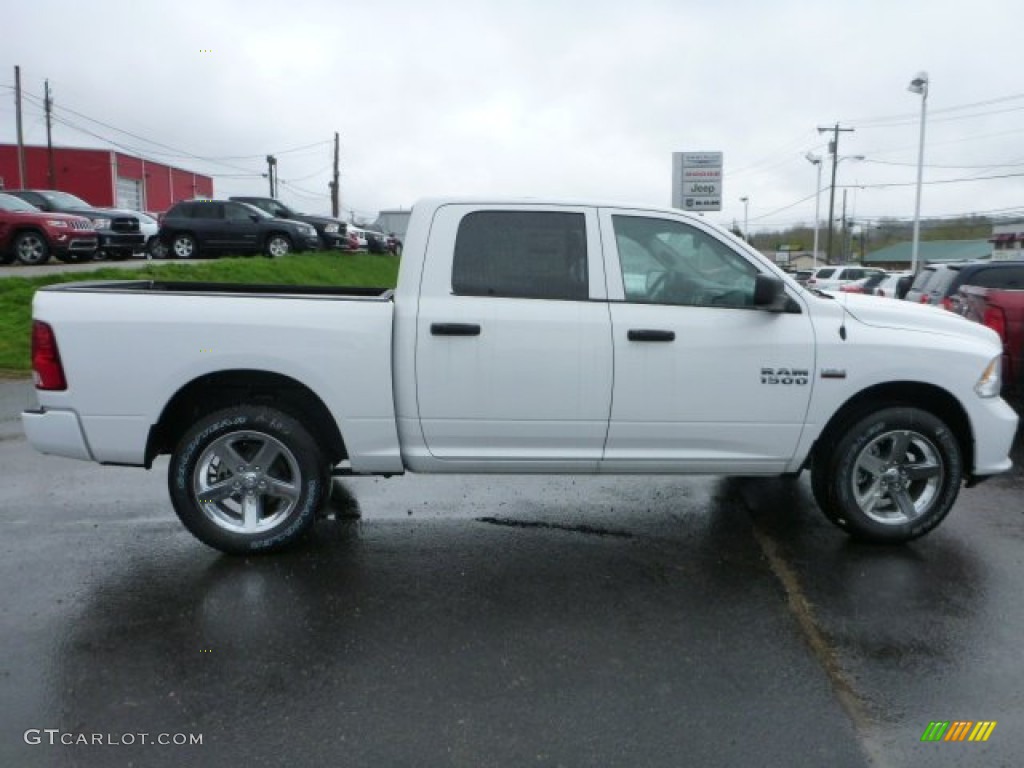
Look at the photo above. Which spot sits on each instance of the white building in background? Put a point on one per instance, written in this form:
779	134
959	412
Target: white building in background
393	220
1008	241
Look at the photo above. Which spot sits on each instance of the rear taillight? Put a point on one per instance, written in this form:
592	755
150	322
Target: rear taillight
46	365
996	320
947	303
924	299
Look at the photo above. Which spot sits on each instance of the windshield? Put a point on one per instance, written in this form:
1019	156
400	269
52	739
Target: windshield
64	200
12	203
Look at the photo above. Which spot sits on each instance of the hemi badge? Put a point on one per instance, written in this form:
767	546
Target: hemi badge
833	373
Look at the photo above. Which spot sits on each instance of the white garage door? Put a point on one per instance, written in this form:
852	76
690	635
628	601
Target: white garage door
129	194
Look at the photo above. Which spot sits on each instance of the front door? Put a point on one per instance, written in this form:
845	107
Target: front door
703	380
513	345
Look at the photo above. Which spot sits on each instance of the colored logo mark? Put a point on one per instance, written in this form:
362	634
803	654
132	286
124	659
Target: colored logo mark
959	730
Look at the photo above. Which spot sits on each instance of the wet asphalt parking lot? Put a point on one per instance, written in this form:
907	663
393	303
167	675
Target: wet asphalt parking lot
505	621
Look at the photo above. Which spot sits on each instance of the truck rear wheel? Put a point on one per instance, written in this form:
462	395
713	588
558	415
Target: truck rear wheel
248	479
892	477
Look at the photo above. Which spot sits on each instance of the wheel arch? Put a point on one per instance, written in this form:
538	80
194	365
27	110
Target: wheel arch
914	394
271	234
223	389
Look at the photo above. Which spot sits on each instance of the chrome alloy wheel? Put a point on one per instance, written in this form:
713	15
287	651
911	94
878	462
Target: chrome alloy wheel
897	477
31	249
278	246
246	482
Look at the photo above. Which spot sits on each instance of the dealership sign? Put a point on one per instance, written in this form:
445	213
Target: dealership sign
697	181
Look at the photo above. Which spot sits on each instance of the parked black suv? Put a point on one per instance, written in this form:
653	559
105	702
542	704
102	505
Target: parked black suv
939	283
118	230
207	226
332	232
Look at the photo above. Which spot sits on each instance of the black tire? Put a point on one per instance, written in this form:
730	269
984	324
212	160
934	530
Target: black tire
184	247
157	248
278	245
891	477
216	484
31	248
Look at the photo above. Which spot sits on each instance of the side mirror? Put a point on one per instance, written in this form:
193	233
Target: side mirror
770	294
254	217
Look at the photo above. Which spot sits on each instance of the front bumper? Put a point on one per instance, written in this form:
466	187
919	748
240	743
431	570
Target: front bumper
994	425
74	244
332	240
122	241
310	243
58	433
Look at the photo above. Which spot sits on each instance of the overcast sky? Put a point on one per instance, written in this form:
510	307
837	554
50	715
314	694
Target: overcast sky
581	98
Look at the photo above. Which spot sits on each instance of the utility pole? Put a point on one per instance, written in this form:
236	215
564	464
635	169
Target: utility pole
272	174
51	175
334	184
833	148
844	250
22	181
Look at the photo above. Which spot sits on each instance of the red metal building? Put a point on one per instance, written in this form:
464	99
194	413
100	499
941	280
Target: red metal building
104	177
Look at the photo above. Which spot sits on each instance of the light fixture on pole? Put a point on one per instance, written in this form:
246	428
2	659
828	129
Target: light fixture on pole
918	85
746	219
816	160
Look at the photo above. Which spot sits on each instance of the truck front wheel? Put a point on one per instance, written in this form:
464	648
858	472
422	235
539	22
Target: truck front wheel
892	477
248	479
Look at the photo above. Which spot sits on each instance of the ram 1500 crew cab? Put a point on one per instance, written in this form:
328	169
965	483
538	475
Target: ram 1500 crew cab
523	337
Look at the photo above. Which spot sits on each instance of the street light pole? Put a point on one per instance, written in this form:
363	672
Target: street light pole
918	85
816	160
746	219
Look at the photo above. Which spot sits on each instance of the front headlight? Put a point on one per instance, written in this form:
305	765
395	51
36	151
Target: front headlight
332	228
101	223
311	231
57	223
991	381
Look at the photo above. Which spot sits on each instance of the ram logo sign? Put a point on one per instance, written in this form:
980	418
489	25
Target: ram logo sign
789	376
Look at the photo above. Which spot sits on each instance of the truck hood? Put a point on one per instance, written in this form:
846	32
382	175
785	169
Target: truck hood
894	313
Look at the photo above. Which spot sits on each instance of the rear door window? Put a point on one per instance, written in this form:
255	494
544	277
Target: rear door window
823	274
521	254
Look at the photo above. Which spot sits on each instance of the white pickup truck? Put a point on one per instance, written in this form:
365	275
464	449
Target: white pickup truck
523	337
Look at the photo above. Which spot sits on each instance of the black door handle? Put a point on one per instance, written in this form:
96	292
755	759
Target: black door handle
454	329
645	334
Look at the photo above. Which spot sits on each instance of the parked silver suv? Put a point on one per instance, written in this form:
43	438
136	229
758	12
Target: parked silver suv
833	278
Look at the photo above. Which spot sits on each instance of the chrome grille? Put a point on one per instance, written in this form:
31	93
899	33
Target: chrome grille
125	224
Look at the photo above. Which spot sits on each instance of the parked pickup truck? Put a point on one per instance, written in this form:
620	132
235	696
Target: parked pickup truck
523	337
1002	310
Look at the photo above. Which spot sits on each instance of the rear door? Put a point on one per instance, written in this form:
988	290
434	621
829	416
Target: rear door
241	233
703	381
513	339
208	223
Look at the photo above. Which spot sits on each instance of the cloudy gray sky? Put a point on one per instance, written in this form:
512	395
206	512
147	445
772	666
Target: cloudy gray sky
586	98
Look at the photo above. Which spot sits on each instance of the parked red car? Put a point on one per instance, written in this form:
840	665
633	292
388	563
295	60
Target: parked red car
31	236
1002	310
